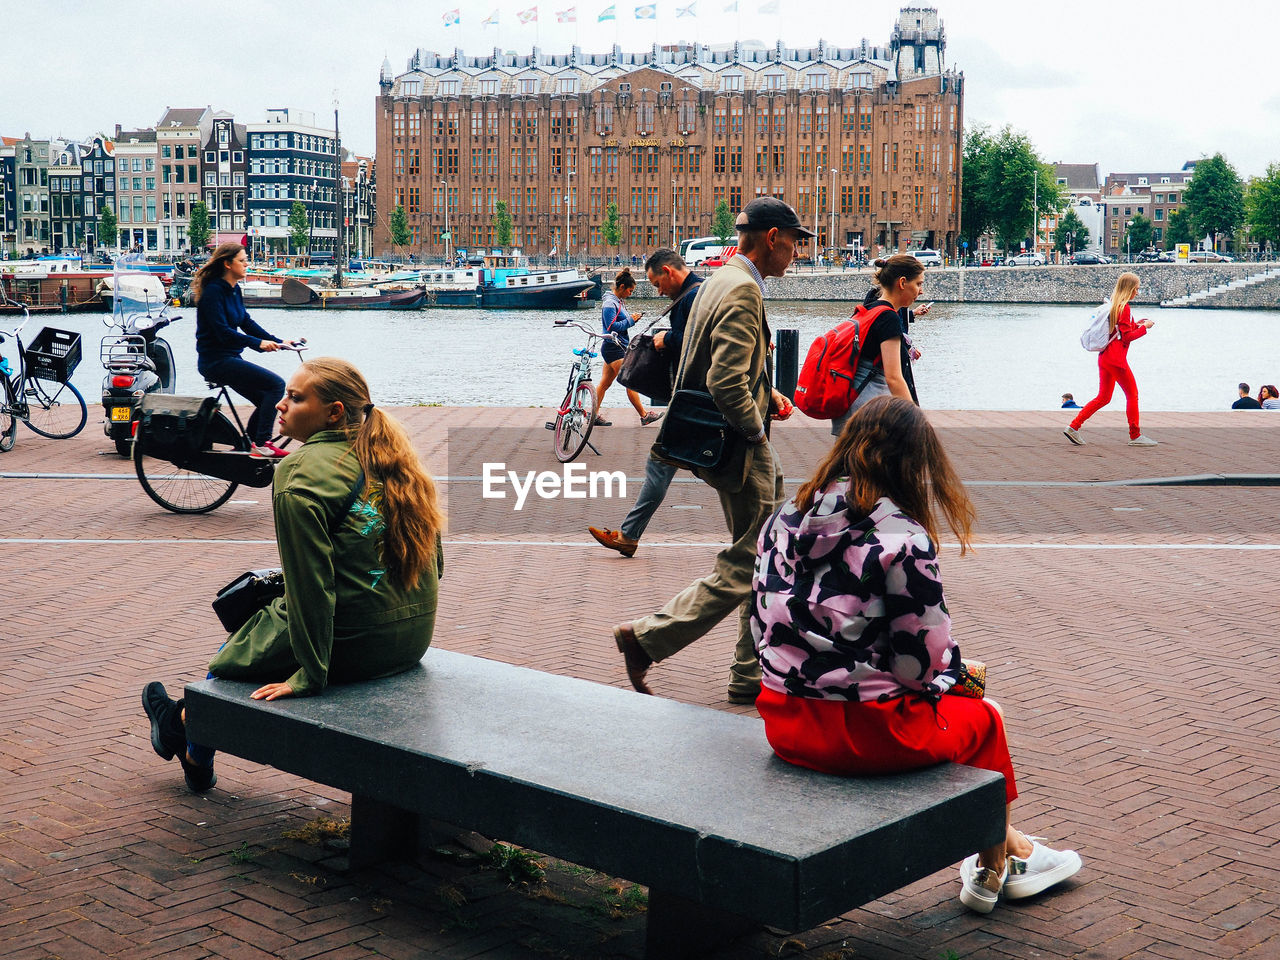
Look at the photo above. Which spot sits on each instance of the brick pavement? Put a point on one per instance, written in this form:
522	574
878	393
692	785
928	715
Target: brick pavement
1121	626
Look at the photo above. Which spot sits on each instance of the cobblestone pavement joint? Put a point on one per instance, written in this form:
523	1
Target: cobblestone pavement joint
1129	632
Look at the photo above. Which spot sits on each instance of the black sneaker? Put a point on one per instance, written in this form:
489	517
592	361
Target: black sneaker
168	736
199	779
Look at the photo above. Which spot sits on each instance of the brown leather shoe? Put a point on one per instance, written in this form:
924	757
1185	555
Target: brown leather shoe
614	540
638	662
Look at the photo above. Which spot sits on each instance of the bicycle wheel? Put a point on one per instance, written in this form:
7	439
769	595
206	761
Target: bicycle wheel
573	426
8	422
52	409
177	488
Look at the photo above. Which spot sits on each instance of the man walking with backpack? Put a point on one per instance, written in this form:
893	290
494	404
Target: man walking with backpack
725	352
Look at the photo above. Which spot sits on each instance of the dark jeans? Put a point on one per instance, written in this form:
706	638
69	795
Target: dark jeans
256	384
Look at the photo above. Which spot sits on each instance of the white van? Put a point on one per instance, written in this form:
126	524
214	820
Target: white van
695	251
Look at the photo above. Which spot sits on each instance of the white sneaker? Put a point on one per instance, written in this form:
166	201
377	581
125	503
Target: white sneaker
1143	441
1040	871
1072	434
980	887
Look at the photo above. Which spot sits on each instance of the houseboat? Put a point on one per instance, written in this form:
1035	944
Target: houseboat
505	281
51	285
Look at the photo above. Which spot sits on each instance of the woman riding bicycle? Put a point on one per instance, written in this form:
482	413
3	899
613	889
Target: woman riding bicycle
223	329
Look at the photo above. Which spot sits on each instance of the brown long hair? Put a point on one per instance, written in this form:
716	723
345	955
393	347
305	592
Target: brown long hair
214	268
888	449
1126	287
410	504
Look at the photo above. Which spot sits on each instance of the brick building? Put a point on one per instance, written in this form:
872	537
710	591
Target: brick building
864	142
1153	195
136	211
179	136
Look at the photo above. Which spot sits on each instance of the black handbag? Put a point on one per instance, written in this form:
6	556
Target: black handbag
646	370
254	589
246	595
695	434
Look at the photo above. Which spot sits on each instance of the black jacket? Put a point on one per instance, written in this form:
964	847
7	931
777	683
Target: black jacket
220	316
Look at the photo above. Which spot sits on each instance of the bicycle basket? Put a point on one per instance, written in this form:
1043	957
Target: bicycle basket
53	355
179	422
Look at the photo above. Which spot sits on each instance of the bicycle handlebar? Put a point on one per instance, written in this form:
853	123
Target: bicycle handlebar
589	332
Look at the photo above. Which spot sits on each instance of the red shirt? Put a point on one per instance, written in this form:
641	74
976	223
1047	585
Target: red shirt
1117	350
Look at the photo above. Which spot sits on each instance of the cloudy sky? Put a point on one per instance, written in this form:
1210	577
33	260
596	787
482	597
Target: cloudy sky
1131	86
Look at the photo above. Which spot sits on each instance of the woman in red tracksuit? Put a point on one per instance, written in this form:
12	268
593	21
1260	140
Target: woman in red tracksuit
1113	365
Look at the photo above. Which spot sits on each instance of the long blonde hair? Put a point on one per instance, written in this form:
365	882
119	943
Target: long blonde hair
215	268
410	505
1126	287
888	449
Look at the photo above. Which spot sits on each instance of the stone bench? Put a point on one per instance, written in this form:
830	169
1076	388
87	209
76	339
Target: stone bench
687	800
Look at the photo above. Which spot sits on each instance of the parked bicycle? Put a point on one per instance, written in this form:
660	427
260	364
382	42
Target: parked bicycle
577	413
190	456
38	390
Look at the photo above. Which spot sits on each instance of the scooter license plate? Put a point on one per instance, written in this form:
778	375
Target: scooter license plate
120	414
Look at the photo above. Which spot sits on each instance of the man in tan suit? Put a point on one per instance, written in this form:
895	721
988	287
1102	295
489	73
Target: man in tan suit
725	351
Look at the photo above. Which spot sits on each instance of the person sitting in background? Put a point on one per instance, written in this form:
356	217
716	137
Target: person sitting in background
1245	402
1069	402
1269	397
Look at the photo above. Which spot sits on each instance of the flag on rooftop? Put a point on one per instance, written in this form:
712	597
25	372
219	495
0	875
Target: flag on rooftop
528	16
648	11
689	11
606	14
770	7
491	20
451	18
567	16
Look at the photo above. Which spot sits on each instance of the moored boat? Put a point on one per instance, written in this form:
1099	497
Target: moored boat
293	294
507	281
51	286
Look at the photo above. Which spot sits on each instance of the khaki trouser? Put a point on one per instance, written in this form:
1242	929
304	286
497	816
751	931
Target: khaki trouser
693	612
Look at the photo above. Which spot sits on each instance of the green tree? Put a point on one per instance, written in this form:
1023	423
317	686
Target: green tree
1178	229
1215	199
503	229
1071	235
198	231
1262	207
299	226
611	228
107	226
399	224
1138	234
722	222
976	215
1005	186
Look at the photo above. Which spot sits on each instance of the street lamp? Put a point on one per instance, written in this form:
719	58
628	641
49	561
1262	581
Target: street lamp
831	201
311	219
1128	253
673	214
817	178
568	174
447	236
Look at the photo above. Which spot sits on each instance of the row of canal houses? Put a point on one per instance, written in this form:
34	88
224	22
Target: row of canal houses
53	192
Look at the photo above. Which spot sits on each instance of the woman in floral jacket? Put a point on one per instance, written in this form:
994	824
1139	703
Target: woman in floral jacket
854	636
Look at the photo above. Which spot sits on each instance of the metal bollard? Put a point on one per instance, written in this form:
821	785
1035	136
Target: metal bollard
788	362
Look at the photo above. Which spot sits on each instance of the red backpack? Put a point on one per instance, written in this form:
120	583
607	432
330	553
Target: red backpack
825	388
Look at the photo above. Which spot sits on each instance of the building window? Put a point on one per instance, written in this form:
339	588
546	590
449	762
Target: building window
732	82
527	85
447	88
489	88
860	80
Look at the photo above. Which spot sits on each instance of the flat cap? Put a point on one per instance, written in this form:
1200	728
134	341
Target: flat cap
763	213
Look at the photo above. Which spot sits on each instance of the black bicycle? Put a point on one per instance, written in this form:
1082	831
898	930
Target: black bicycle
39	392
190	456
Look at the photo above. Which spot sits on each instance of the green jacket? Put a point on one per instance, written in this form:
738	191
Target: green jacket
726	345
341	618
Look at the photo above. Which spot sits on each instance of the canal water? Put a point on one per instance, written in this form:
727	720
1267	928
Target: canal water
976	356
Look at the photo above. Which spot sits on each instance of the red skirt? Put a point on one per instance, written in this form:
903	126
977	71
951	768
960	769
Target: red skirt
849	738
